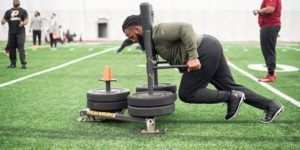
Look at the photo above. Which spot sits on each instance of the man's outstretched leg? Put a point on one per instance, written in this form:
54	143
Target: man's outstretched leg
223	80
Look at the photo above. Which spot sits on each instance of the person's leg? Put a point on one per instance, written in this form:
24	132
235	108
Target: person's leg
34	34
39	34
223	80
12	41
193	84
268	39
55	42
51	39
21	50
7	48
272	42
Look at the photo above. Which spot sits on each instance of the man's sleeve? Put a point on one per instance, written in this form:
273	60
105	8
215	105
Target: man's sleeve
6	16
183	32
25	16
271	3
189	38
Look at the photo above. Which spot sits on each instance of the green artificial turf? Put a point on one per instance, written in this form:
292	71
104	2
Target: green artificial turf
41	112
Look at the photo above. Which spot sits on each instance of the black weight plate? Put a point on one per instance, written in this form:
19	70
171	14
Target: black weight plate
159	87
107	106
100	95
151	112
158	98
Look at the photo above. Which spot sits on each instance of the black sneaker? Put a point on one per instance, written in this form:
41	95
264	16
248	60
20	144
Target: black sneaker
233	104
11	66
24	66
274	110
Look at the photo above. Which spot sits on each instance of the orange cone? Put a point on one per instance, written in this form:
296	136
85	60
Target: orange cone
107	76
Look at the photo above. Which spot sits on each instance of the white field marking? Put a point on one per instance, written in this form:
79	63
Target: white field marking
279	68
291	48
269	87
57	67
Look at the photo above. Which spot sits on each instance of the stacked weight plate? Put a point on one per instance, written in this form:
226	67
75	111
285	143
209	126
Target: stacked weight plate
161	102
159	87
110	101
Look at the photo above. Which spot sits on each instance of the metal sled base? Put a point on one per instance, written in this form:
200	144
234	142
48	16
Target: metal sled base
87	115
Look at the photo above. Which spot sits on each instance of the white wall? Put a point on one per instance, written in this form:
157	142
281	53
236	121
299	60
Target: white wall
229	20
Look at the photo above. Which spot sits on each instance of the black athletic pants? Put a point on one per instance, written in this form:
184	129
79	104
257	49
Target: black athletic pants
214	70
16	41
52	40
268	39
38	34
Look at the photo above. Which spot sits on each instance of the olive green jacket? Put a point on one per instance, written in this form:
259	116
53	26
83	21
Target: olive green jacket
176	42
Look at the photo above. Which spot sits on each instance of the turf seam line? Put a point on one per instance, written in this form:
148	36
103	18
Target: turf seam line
57	67
267	86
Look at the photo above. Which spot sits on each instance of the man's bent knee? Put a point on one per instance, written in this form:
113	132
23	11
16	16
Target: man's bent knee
185	97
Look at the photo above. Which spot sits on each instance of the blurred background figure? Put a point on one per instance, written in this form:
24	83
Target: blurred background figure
70	36
36	29
128	42
53	31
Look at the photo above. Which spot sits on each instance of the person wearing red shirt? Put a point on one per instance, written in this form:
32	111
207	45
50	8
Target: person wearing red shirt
269	21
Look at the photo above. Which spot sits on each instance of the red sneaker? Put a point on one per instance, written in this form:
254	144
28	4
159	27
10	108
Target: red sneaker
268	78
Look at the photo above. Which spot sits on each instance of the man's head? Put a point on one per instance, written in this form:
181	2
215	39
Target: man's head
52	15
16	3
132	28
37	13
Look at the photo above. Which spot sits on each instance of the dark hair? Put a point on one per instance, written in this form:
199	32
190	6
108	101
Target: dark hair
38	13
132	20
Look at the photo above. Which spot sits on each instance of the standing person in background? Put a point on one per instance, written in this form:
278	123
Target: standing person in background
269	21
53	31
36	28
128	42
17	18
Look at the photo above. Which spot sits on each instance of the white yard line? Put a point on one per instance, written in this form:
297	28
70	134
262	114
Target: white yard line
269	87
290	48
45	46
57	67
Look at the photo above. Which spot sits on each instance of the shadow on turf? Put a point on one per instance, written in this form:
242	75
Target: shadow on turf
22	132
